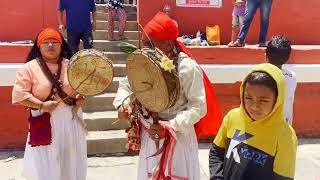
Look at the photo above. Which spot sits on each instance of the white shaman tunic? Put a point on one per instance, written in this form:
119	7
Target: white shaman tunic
188	110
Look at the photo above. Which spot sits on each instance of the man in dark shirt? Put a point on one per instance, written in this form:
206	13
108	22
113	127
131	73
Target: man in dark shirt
79	25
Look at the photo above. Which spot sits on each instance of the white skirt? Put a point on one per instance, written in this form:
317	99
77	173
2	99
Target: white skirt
185	161
66	157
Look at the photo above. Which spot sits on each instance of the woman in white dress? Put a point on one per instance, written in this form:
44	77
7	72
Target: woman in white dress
56	145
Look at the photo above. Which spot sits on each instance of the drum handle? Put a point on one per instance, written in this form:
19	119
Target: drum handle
143	32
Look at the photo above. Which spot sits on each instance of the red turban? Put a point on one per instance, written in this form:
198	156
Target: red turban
162	27
48	33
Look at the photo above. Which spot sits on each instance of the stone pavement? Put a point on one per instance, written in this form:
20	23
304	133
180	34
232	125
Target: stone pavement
125	167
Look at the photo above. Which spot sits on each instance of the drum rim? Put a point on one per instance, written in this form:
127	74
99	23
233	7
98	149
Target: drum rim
98	54
170	101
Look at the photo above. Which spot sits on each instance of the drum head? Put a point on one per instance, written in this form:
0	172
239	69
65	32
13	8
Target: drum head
90	72
148	83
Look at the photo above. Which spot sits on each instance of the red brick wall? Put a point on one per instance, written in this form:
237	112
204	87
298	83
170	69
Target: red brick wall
297	19
14	126
22	20
225	55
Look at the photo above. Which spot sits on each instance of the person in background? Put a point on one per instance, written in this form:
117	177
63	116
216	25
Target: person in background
277	53
116	9
252	6
79	23
237	18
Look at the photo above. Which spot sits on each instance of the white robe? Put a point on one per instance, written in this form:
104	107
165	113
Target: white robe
291	85
66	157
188	110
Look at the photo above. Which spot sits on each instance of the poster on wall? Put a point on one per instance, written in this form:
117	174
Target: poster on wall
200	3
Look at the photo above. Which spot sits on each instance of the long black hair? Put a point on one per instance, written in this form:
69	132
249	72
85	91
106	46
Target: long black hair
35	50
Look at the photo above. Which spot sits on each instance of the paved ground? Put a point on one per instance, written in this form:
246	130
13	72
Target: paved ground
120	168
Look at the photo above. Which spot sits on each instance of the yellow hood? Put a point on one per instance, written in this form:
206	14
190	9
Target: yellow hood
277	114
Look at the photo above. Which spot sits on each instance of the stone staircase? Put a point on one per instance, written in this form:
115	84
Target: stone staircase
105	136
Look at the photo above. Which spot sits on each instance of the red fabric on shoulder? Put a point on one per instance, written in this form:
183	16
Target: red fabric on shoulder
211	122
183	48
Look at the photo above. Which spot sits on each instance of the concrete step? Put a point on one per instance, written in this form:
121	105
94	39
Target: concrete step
102	121
119	70
114	85
103	16
106	142
130	25
103	35
110	46
98	103
117	57
127	7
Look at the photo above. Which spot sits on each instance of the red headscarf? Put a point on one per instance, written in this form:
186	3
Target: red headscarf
162	27
48	33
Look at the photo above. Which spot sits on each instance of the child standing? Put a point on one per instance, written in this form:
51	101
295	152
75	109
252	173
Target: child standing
116	9
254	141
278	53
237	18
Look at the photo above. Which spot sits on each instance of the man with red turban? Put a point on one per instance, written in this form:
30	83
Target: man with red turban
195	113
161	28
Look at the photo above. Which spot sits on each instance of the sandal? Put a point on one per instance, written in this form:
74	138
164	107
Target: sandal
237	43
230	43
